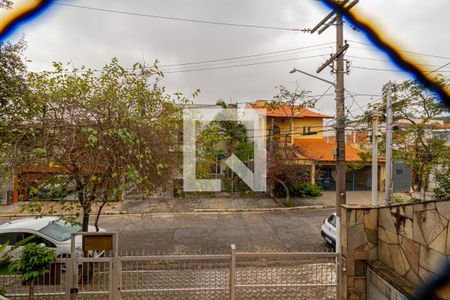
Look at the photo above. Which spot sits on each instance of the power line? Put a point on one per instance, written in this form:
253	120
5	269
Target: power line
242	65
318	46
439	68
402	50
384	70
105	10
385	60
376	69
226	63
235	58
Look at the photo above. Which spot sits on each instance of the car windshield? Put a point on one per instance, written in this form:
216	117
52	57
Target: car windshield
60	230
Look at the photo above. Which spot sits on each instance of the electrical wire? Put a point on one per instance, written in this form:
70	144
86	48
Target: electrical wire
376	69
402	50
250	55
113	11
384	60
231	59
243	65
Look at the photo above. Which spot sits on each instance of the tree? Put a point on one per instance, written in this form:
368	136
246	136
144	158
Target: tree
442	176
283	164
34	262
13	72
232	133
284	170
416	107
6	4
14	101
100	135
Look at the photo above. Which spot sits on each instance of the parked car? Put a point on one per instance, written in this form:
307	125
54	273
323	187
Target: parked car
51	232
328	230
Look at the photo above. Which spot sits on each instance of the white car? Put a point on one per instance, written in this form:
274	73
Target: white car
53	232
328	230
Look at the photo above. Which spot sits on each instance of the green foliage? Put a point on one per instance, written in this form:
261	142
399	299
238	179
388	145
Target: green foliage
5	255
415	108
244	151
101	134
442	190
298	189
231	133
34	262
401	199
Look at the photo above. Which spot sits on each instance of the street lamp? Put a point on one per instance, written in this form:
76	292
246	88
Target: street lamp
313	76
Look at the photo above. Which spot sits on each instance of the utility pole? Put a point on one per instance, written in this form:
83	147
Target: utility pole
335	18
388	184
340	112
375	116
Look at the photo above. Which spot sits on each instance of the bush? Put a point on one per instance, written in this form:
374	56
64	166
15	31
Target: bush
304	190
442	191
34	262
313	190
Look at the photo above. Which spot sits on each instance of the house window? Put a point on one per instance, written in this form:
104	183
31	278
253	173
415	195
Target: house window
276	131
399	171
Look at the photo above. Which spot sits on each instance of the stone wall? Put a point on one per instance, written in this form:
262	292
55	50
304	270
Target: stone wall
413	240
359	242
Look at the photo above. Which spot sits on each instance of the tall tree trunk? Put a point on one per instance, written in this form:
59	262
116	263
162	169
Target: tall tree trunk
31	290
85	223
99	212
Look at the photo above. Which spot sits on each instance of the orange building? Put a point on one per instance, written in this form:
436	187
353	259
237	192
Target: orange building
316	149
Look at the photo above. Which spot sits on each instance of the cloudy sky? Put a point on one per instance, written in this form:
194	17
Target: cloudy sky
92	38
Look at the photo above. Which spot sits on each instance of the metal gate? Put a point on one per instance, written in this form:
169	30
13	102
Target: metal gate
380	289
231	274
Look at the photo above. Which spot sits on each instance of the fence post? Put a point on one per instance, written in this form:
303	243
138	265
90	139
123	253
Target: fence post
68	274
233	273
72	273
117	270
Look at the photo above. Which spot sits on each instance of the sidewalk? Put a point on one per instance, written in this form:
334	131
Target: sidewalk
192	205
328	198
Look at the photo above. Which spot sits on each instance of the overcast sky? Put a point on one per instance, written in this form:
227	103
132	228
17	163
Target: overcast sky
92	38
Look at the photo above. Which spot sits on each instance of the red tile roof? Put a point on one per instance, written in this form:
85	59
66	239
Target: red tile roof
320	150
285	111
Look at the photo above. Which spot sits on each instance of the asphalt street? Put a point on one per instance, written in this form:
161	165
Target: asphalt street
291	230
215	232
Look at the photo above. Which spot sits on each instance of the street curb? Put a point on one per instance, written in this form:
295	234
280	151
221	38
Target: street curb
195	211
263	209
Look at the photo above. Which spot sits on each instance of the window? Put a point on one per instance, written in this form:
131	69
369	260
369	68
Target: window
276	131
38	240
399	171
10	237
60	230
332	220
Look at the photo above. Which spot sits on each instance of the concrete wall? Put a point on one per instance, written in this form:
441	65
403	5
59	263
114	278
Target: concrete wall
412	240
315	124
401	177
5	191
